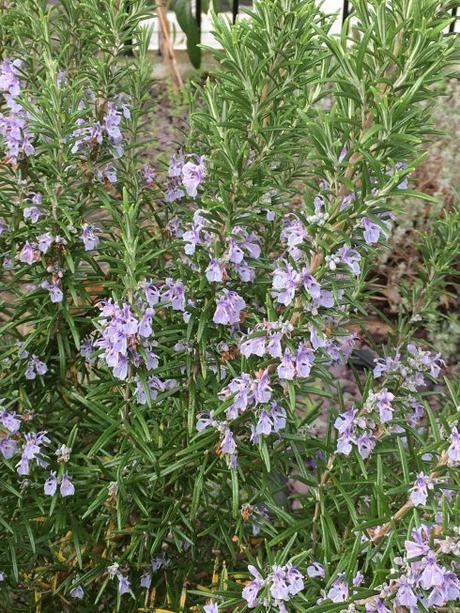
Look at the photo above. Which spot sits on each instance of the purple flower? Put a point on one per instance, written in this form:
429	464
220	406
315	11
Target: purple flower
32	213
107	173
286	369
146	580
433	573
32	452
227	443
418	412
339	590
405	182
8	447
214	271
148	174
45	241
274	345
295	579
326	300
228	308
211	607
304	360
77	592
174	192
316	570
192	176
249	241
317	339
145	324
405	596
264	424
242	389
279	588
175	165
35	367
366	444
67	487
419	491
8	263
453	451
371	231
311	284
29	253
384	399
419	546
9	76
174	292
358	579
262	389
54	290
50	486
151	292
253	346
111	126
347	200
89	236
345	421
36	199
285	282
235	253
344	443
351	258
123	584
343	153
245	272
252	589
386	365
278	416
294	234
378	606
10	421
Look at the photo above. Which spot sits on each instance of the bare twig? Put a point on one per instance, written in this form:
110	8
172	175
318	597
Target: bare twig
166	47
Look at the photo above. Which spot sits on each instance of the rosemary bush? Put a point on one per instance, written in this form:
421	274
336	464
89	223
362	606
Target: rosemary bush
174	433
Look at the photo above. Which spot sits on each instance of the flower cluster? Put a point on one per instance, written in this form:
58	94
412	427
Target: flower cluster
184	175
412	368
422	579
265	339
125	338
14	125
240	244
287	280
126	334
124	584
245	392
35	366
228	308
354	429
363	427
67	488
32	452
11	422
89	134
278	587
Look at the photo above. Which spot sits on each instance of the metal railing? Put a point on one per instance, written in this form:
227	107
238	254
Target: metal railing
345	13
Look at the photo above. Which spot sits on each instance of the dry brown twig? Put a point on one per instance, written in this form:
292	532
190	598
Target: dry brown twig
166	47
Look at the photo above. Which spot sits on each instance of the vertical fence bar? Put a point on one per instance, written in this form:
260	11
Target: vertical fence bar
198	16
452	25
235	9
346	10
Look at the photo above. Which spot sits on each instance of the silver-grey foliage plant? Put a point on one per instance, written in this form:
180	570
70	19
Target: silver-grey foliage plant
173	429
